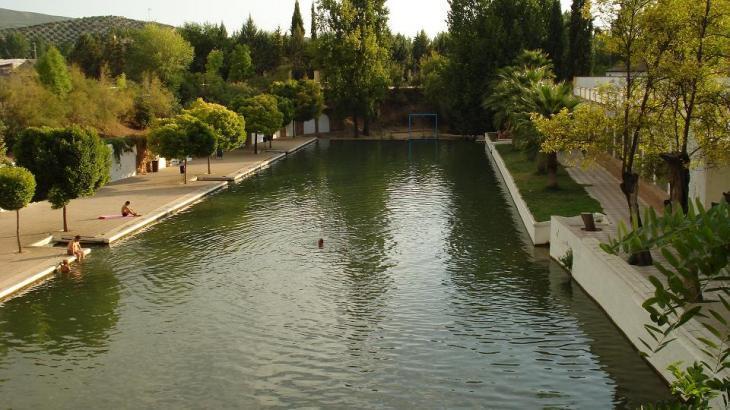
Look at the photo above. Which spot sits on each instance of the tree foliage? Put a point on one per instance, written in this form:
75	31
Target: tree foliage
262	114
17	186
159	51
68	163
228	125
353	42
241	65
204	38
580	38
53	72
14	45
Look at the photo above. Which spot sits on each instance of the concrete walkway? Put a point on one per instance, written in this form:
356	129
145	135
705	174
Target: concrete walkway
154	195
605	188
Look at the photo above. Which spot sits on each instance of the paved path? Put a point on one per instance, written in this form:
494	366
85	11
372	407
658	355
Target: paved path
604	187
154	195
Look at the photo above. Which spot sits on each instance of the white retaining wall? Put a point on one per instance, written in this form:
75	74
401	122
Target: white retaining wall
620	289
125	167
539	231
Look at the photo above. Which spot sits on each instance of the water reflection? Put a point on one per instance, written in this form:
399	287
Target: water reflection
75	311
424	295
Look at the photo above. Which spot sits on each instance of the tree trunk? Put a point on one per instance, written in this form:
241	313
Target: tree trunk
316	126
256	144
551	166
366	125
293	129
65	222
185	171
208	164
678	164
541	162
17	229
630	188
354	120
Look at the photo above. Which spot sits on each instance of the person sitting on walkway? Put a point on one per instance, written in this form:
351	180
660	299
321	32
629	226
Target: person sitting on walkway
126	210
74	248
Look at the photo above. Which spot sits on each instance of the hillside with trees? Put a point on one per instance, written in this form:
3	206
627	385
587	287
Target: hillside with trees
15	18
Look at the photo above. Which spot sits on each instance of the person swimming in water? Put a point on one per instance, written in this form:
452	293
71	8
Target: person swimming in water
64	267
126	210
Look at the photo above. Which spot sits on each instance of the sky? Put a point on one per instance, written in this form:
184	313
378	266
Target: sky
406	16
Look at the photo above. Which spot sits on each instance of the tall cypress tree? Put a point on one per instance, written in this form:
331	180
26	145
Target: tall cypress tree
555	41
580	33
313	27
296	20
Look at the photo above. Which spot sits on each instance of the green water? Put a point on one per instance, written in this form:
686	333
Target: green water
425	295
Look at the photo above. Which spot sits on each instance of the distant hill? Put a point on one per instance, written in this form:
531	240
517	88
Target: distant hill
61	32
15	19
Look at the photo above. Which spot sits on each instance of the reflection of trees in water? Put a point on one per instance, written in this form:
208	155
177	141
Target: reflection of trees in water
489	260
73	312
486	252
358	176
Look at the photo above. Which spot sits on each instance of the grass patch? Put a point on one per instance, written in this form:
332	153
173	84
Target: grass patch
570	199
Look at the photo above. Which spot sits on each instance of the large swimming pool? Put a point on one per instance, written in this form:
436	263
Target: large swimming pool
425	295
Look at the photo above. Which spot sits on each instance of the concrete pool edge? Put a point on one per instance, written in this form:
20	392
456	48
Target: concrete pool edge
539	231
26	280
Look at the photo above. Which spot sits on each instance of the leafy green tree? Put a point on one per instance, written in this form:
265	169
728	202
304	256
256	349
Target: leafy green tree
204	38
401	54
691	123
17	186
580	35
440	43
182	136
262	115
228	125
241	66
421	48
297	53
267	49
353	41
296	20
68	163
483	37
159	51
305	96
53	72
14	45
313	25
214	63
286	107
88	54
555	41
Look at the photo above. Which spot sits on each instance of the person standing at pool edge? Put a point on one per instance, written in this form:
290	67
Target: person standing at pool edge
74	248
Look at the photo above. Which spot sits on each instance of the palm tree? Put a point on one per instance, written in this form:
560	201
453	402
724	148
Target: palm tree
506	100
548	99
